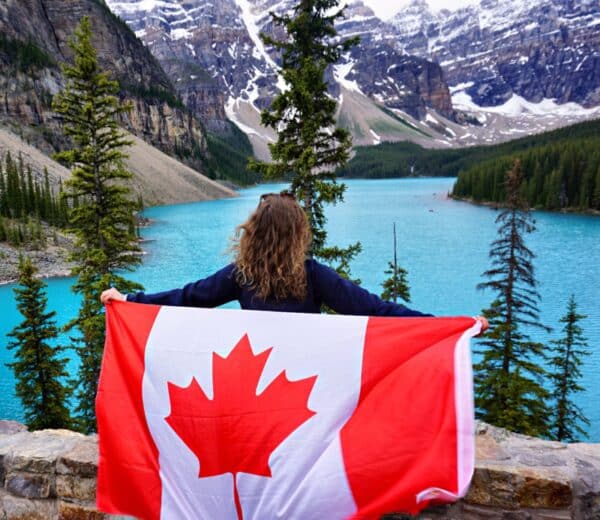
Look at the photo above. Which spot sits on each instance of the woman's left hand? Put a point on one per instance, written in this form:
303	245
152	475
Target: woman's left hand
484	324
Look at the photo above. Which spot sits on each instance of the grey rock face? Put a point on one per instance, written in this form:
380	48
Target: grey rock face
27	94
534	48
213	53
387	74
206	49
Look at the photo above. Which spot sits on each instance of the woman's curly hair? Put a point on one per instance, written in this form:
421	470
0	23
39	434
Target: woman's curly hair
270	249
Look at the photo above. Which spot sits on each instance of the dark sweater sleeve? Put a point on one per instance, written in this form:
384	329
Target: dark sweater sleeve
345	297
212	291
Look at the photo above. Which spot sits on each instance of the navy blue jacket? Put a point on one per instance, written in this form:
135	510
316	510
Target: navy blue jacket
324	286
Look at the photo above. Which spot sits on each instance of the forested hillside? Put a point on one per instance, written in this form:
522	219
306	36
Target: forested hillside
408	159
228	155
561	175
26	202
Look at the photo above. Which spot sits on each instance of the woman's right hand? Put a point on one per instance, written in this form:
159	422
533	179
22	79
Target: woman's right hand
484	324
112	294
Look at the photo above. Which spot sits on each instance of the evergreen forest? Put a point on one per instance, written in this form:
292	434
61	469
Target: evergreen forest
26	202
560	175
227	157
561	168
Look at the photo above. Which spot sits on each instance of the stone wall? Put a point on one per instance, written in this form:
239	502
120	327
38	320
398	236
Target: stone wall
51	474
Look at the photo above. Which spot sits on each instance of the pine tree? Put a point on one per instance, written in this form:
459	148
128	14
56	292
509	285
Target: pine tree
30	193
309	146
508	379
596	196
396	285
567	417
3	195
47	204
101	209
37	367
3	230
21	189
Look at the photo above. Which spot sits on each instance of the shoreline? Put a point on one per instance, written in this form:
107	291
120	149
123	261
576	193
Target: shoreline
51	263
497	206
52	260
58	273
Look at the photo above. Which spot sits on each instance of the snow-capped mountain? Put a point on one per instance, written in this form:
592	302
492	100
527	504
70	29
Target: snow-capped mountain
518	59
214	55
536	49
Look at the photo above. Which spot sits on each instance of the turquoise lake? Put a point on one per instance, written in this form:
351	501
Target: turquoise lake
442	243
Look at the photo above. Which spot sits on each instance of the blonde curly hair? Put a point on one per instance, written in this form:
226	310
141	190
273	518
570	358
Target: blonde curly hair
270	248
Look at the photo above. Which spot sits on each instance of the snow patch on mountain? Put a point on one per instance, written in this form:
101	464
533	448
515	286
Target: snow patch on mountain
376	137
254	31
517	106
340	73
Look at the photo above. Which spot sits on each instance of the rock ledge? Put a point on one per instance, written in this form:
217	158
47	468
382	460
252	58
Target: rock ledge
51	474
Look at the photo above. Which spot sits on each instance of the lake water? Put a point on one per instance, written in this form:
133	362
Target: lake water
442	243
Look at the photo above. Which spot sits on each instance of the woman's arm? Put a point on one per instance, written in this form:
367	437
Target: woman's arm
346	297
212	291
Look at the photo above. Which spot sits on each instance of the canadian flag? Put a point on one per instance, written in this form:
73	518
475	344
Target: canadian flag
218	414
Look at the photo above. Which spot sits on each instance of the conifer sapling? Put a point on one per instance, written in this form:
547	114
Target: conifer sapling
568	418
509	389
38	369
101	204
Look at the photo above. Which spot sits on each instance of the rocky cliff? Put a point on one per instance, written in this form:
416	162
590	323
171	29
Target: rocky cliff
386	73
536	49
500	58
34	35
51	474
216	58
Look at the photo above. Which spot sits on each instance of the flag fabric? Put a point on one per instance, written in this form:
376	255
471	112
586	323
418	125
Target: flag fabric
235	414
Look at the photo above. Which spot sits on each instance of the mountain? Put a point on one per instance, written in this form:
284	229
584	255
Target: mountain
33	42
442	79
535	49
213	53
42	28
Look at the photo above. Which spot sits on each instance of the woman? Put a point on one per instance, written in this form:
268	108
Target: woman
271	272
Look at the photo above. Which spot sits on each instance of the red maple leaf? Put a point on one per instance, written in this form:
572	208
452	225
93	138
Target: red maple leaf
238	430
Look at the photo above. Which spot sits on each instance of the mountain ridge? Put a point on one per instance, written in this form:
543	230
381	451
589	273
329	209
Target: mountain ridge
33	42
388	75
536	49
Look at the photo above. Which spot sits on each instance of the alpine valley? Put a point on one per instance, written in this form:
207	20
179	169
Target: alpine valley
198	74
480	74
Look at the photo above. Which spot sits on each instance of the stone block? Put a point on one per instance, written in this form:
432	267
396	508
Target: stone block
70	511
538	490
15	508
81	459
11	427
550	514
28	485
38	451
492	487
488	448
75	487
511	487
8	443
25	463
